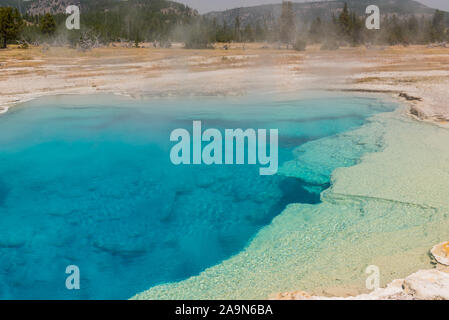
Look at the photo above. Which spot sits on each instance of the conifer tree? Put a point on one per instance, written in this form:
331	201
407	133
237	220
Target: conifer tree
344	22
287	23
48	24
237	31
10	25
316	30
437	28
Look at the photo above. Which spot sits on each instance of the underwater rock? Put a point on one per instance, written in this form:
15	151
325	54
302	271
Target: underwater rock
12	238
4	190
119	248
441	253
11	242
205	181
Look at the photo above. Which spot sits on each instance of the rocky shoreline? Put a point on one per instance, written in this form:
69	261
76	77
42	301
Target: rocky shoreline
430	284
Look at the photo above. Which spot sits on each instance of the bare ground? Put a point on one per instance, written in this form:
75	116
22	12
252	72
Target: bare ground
420	73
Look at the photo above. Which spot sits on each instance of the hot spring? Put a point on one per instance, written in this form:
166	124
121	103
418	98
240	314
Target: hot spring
88	181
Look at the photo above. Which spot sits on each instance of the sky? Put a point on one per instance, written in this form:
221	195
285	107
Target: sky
212	5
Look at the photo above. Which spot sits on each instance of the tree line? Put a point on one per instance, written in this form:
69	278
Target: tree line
139	24
154	21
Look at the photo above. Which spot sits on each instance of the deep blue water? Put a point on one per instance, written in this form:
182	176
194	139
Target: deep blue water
87	181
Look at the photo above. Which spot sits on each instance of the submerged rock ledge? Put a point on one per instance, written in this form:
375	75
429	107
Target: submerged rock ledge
432	284
423	285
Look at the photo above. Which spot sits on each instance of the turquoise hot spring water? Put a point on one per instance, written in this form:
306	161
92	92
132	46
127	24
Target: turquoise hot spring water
88	181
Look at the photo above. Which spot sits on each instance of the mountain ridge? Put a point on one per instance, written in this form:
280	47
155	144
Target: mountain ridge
307	11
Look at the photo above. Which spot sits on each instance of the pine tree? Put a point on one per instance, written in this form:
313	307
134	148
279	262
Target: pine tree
344	22
437	27
355	29
316	31
260	32
395	32
248	33
413	30
48	24
10	25
237	31
287	23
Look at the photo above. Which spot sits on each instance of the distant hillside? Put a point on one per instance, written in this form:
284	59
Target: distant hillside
39	7
109	20
164	21
306	12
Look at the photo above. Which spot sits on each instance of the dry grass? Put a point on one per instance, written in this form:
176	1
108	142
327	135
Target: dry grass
398	58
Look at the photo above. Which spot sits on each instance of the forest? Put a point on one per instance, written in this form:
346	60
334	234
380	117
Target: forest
165	22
